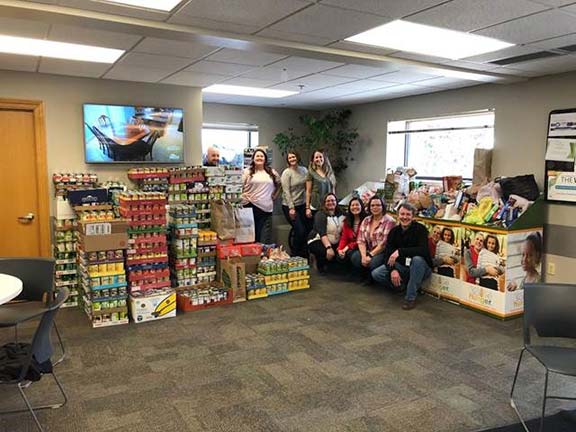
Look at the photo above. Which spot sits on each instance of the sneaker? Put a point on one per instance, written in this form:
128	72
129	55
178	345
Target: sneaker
409	304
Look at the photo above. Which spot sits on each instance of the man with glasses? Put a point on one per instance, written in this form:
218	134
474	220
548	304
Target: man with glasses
406	256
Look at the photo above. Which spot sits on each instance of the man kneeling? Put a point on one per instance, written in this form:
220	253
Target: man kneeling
407	258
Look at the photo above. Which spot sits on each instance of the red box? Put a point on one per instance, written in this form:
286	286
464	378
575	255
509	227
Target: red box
251	249
228	251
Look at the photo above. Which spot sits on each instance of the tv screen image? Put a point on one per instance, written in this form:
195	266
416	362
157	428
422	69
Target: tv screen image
133	134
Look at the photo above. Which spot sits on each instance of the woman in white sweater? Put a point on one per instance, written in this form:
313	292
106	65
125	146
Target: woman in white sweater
260	187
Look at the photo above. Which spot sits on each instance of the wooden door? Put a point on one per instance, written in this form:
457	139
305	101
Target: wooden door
24	214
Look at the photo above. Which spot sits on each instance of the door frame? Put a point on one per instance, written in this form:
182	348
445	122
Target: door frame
43	216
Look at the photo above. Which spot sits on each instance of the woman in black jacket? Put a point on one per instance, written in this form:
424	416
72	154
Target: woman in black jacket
325	235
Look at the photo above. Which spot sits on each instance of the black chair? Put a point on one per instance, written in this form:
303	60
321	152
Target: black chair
22	364
37	276
91	129
150	143
550	309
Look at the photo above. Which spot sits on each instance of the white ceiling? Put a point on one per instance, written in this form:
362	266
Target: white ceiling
293	44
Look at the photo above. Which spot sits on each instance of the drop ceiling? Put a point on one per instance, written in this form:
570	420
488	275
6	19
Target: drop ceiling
296	45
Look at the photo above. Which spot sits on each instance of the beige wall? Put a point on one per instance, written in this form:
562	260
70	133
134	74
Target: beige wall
63	98
520	131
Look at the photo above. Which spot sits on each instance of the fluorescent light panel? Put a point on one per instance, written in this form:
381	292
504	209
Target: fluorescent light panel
423	39
61	50
248	91
163	5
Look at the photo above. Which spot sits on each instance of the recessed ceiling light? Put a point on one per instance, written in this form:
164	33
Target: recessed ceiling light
248	91
163	5
61	50
423	39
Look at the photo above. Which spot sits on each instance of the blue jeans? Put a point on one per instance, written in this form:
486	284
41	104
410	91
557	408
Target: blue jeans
412	276
376	261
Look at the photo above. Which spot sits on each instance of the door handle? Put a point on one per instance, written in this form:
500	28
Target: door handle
26	219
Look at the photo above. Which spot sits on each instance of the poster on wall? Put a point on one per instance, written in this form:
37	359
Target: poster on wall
560	157
524	264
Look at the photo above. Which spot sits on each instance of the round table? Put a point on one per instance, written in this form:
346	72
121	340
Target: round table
10	287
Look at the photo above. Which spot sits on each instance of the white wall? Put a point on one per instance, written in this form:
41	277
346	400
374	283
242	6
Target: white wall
63	98
521	119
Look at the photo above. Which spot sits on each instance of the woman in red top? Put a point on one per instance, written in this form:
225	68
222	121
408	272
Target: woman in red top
354	217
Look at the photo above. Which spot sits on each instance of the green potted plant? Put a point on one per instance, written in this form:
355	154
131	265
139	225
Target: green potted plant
330	132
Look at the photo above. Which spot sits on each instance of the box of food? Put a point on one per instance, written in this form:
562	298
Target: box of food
155	305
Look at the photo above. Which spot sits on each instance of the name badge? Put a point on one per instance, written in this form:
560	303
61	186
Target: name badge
408	261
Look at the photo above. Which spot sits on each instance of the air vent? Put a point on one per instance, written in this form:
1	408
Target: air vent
569	48
525	58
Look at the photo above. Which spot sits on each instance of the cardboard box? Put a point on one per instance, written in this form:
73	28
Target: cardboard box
92	228
93	243
251	263
153	306
234	278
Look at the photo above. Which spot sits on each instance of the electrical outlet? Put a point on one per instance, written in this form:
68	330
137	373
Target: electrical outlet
551	268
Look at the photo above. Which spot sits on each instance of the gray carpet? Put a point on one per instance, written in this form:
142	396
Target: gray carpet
341	356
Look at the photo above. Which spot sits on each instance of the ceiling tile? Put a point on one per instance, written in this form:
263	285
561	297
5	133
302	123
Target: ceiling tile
570	9
23	28
72	68
249	82
557	42
193	79
312	82
295	37
360	71
135	73
363	85
418	57
258	13
251	58
329	22
272	73
154	61
208	24
388	8
543	25
403	76
444	82
219	68
167	47
116	9
554	3
18	62
308	65
86	36
213	98
469	15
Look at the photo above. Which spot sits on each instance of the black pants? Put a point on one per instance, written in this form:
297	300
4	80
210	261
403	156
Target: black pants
489	283
301	226
262	224
446	271
318	249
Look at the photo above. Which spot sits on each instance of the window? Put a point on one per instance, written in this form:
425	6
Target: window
440	146
230	139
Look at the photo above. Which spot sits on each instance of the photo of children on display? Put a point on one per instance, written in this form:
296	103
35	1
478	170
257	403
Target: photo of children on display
484	259
444	247
530	254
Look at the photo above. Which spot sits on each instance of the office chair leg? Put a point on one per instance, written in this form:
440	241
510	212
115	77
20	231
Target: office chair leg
61	359
544	402
512	403
26	384
30	409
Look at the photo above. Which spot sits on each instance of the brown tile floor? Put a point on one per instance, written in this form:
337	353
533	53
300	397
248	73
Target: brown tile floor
341	356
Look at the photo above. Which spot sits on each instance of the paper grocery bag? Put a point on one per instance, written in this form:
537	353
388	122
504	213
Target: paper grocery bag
245	231
234	278
222	219
482	166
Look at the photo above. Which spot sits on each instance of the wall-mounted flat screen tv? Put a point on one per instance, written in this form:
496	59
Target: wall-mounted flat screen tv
133	134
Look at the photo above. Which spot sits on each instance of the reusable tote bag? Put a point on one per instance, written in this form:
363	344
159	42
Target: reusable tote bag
245	230
222	219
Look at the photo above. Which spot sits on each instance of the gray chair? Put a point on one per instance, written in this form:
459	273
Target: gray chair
22	364
37	276
550	310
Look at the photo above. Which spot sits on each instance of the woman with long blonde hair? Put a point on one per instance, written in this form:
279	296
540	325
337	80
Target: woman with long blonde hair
320	181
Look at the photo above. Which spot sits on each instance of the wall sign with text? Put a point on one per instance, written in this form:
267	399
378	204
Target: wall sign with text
560	156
